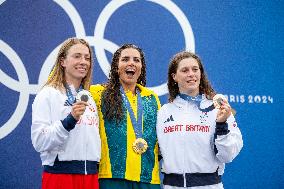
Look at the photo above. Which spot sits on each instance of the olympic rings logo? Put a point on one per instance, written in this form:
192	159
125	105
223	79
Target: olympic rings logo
100	45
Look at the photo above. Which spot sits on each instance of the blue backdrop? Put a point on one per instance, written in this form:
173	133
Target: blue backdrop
240	43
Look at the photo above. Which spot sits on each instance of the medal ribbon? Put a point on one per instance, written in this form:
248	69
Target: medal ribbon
196	100
70	96
137	124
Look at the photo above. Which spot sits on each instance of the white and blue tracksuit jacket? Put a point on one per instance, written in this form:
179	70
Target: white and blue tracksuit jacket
191	143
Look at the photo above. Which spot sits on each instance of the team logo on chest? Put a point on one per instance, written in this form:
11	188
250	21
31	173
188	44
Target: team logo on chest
203	117
169	119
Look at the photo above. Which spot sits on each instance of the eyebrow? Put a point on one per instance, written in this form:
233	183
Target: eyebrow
129	57
81	54
188	67
135	57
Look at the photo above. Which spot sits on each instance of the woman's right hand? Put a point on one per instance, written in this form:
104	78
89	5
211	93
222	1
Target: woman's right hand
78	109
224	111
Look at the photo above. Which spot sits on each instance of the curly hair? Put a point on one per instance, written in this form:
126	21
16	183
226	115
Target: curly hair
56	78
204	87
111	98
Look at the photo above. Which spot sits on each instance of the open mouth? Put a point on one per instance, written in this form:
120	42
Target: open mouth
130	72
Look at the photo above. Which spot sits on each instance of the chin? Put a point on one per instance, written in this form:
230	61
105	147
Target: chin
192	89
81	77
130	82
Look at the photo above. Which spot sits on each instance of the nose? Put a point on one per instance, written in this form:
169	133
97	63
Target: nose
131	61
190	73
84	60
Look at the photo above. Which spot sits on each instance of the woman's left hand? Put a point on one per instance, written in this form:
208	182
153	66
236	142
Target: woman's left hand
224	112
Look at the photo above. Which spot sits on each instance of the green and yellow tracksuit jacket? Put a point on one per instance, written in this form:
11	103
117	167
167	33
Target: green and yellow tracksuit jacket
118	160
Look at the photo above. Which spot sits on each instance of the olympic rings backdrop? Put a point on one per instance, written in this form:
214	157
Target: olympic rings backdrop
240	43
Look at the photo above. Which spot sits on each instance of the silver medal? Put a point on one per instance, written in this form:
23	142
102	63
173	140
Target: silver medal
83	96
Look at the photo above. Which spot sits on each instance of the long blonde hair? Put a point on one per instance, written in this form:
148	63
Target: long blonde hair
56	78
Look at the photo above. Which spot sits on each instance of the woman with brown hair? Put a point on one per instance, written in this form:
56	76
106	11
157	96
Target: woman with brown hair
65	121
128	111
196	135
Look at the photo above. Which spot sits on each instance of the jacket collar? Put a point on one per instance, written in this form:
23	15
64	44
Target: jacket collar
144	91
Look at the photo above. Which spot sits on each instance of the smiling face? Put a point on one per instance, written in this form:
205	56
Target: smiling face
129	67
188	76
76	63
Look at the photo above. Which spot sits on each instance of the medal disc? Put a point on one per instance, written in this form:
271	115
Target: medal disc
140	146
217	100
83	96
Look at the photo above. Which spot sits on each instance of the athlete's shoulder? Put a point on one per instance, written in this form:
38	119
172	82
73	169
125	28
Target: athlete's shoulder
47	94
98	88
48	91
96	92
146	91
166	107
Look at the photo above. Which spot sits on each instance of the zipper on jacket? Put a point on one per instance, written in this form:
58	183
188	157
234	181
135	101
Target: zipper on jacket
184	180
85	167
86	138
86	146
184	143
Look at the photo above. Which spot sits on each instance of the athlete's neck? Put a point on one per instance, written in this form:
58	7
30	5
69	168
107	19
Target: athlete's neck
75	83
131	88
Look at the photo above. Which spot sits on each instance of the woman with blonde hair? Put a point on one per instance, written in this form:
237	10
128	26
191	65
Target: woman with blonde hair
65	121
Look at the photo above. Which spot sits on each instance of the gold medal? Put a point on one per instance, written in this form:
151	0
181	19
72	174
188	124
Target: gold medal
139	146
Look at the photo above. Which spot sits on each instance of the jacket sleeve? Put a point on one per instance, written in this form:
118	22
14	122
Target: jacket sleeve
46	134
162	140
228	140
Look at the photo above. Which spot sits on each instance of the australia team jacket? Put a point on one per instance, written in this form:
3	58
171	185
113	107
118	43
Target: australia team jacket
191	142
118	158
52	140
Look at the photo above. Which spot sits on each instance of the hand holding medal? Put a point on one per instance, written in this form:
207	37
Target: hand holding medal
217	100
224	109
79	107
83	95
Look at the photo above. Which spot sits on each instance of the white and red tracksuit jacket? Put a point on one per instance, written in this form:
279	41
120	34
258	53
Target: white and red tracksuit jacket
77	150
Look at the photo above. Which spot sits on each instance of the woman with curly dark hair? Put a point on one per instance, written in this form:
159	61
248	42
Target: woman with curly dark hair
128	112
196	135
